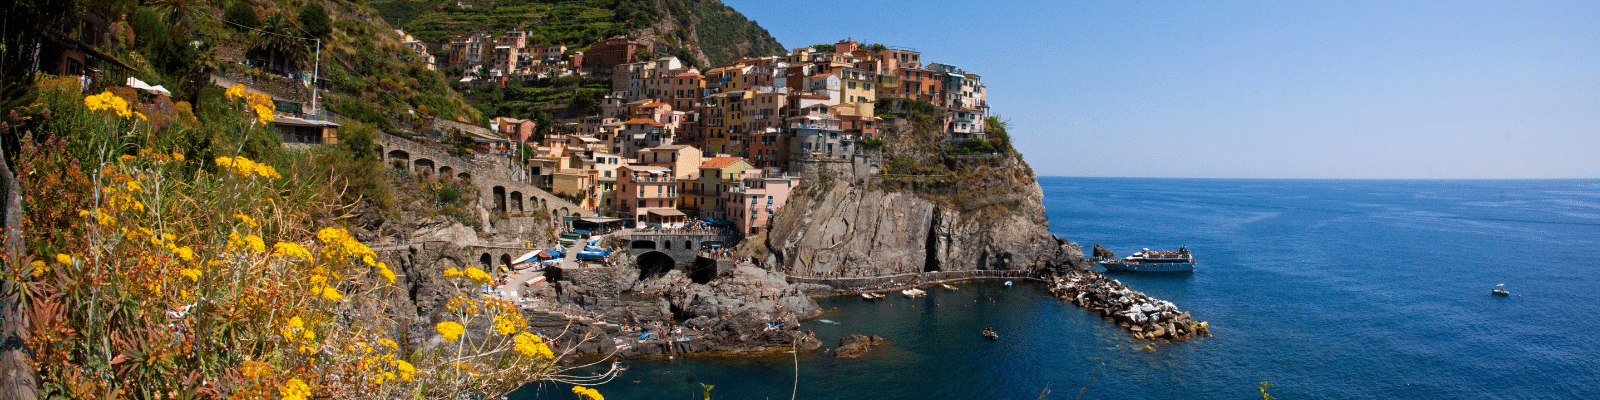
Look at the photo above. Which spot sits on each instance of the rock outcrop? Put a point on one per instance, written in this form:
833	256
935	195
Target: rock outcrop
855	345
854	227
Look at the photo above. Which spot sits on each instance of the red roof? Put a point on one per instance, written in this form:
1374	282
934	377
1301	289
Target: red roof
643	121
720	162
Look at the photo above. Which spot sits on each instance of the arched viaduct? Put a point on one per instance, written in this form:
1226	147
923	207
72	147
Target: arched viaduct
493	178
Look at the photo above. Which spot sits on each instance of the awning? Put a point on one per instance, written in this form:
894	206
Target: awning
668	213
600	220
527	257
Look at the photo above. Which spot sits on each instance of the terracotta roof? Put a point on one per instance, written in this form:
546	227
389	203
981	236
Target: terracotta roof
690	74
653	103
645	121
720	162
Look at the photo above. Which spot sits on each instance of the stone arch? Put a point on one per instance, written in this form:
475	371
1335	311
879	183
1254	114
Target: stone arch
499	199
544	204
485	259
576	215
402	156
654	262
464	176
445	172
561	212
422	163
505	260
516	202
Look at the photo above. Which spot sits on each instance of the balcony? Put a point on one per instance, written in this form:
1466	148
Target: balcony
648	179
670	195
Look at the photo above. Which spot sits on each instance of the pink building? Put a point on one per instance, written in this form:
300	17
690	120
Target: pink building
649	196
515	129
760	194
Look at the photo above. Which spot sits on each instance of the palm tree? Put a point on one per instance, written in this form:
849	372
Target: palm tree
281	39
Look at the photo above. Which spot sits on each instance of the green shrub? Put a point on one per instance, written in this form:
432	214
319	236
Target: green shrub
314	19
241	13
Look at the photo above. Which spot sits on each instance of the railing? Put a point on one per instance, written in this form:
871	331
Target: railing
648	179
657	196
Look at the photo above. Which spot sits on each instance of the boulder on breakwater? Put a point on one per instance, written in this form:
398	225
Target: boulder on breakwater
855	344
1143	316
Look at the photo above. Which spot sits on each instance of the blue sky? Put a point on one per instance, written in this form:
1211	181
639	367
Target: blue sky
1269	89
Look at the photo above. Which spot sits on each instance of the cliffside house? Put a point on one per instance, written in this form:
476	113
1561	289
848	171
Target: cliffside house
306	131
648	195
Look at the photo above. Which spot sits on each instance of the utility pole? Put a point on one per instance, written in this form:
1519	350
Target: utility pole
316	73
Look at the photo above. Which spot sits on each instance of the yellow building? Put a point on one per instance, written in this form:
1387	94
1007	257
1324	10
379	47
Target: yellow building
717	174
858	85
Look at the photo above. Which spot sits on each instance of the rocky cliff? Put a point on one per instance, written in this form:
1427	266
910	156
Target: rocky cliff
937	212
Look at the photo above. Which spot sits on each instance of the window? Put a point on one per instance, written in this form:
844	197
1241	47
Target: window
641	203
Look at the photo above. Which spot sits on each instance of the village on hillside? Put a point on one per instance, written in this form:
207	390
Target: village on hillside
673	143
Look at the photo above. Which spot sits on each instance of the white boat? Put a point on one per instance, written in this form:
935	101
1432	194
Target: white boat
947	286
1151	260
871	296
913	292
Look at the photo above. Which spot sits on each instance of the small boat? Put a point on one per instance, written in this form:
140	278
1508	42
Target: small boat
871	296
990	334
1501	291
913	292
1008	283
1151	260
947	286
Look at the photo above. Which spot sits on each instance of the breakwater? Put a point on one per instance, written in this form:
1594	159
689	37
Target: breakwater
1143	316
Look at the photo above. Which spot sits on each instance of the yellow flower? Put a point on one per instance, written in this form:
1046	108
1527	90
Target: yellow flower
235	91
252	369
39	268
127	157
295	389
140	115
246	220
193	274
478	275
388	343
291	249
587	393
387	274
64	258
296	323
255	243
108	101
530	345
406	370
450	330
327	293
177	156
452	272
504	325
185	253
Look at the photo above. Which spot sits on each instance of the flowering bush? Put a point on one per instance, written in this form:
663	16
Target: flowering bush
164	287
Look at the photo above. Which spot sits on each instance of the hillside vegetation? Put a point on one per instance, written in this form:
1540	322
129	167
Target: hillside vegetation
701	32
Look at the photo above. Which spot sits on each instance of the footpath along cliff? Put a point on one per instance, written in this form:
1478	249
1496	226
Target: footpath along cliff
914	204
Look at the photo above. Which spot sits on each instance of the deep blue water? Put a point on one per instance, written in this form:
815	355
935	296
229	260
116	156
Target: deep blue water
1325	288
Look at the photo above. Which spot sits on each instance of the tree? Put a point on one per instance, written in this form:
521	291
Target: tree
148	30
314	19
280	40
241	13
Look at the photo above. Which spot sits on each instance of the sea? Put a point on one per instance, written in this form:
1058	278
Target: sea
1322	289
